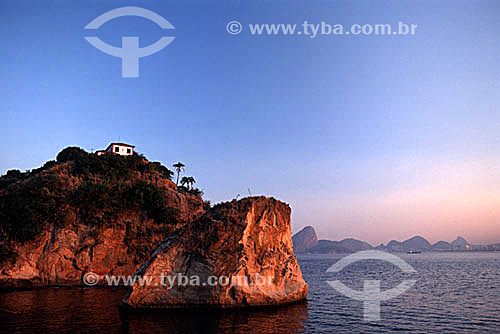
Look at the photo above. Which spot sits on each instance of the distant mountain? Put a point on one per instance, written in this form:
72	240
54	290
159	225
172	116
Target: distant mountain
394	246
416	243
355	245
304	239
328	247
344	246
441	246
459	243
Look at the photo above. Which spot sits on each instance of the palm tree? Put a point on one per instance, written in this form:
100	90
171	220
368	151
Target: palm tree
188	181
184	181
191	181
179	167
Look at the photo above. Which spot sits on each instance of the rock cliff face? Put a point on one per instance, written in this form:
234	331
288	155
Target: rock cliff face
98	232
246	243
63	256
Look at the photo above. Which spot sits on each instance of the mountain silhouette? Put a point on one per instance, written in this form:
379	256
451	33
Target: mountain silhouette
304	239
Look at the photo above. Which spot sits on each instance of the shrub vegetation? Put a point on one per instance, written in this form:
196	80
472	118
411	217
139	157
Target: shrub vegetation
88	189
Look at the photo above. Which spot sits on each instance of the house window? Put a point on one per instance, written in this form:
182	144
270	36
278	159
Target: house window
117	149
128	151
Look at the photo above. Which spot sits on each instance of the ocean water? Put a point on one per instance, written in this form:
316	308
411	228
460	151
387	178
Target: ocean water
454	293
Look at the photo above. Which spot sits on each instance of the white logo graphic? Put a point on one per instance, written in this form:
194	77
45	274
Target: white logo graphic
90	279
130	51
371	294
234	27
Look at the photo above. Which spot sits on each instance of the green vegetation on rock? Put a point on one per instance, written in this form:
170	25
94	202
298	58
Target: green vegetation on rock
83	188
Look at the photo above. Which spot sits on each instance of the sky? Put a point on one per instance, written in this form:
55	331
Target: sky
374	137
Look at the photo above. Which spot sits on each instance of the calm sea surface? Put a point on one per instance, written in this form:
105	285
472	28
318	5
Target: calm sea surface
455	293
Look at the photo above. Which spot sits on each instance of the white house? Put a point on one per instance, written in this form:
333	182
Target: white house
118	148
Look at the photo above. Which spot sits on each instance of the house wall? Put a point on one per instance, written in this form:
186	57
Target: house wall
121	150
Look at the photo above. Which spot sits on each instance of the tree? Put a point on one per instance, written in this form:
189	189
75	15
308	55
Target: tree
14	173
191	181
196	192
184	181
71	154
188	181
162	169
179	167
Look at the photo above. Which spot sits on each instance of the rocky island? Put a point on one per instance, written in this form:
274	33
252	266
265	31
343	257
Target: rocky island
86	213
248	239
115	215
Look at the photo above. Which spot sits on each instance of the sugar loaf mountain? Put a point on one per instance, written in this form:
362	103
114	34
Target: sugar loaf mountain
306	241
114	212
